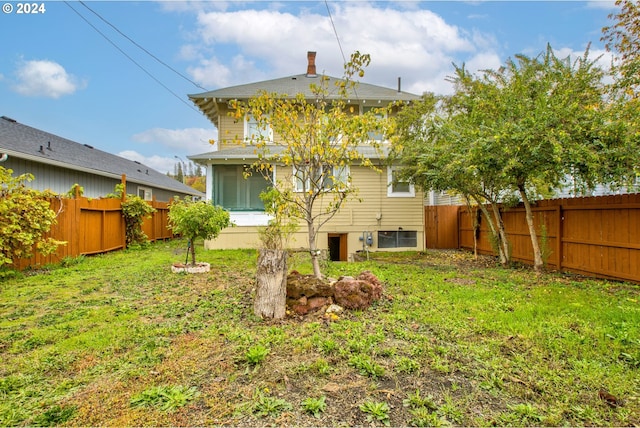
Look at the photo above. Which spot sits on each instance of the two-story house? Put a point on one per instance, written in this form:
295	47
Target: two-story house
388	214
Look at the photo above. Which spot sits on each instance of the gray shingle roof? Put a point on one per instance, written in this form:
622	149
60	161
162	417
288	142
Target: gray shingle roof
22	141
291	86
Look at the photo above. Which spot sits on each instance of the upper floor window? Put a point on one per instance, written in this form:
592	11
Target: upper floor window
254	131
337	178
397	187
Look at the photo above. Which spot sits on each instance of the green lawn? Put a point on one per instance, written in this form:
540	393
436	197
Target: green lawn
119	340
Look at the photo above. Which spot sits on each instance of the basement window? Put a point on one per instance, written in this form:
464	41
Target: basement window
397	239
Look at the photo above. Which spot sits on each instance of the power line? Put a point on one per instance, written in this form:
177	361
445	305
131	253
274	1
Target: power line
335	31
131	59
142	48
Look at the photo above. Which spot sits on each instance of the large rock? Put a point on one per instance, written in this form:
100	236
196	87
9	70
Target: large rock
299	285
357	293
306	293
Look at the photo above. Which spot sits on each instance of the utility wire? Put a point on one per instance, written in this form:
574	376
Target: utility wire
344	59
335	31
131	59
142	48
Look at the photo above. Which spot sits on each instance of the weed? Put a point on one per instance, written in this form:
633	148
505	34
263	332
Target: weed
407	365
376	411
256	354
166	398
321	367
314	406
328	346
415	401
366	366
265	405
54	416
423	417
524	413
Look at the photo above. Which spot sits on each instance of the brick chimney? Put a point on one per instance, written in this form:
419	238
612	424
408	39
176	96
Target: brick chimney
311	64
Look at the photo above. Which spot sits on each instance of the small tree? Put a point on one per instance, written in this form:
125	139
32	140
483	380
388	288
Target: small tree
318	141
25	217
197	219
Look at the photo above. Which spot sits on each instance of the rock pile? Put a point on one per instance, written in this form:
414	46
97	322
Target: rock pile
307	294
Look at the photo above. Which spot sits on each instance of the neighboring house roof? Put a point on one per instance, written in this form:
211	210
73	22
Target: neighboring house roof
25	142
290	86
241	153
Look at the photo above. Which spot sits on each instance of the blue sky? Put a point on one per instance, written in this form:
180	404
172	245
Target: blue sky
60	74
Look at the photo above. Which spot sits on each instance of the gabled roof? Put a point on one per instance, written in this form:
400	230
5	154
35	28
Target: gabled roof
290	86
24	142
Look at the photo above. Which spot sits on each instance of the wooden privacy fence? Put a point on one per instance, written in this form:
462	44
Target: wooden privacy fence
92	226
595	236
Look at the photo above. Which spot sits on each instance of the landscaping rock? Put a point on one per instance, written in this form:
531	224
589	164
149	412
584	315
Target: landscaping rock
357	293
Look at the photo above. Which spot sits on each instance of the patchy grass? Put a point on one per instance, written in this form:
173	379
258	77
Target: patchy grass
118	339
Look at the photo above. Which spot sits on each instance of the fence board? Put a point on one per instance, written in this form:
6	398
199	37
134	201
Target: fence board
92	226
596	236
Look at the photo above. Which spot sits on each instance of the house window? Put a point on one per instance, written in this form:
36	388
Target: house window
398	188
234	192
397	239
254	131
339	177
145	193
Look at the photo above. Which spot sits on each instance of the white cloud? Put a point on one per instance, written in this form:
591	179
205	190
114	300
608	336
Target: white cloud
416	44
159	163
43	78
188	140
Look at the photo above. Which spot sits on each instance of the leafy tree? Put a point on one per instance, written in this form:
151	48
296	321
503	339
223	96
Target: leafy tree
623	38
521	130
437	142
25	217
197	219
317	140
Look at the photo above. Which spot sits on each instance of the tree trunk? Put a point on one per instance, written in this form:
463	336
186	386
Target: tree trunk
494	232
271	281
503	235
315	254
537	254
193	251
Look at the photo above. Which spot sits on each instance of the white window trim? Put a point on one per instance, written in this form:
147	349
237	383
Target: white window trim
148	193
390	193
247	137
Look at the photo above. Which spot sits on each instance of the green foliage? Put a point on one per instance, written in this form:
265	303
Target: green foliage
265	405
366	366
197	219
423	417
25	218
165	398
76	190
320	138
256	354
407	365
314	406
135	210
54	416
376	411
282	225
415	400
